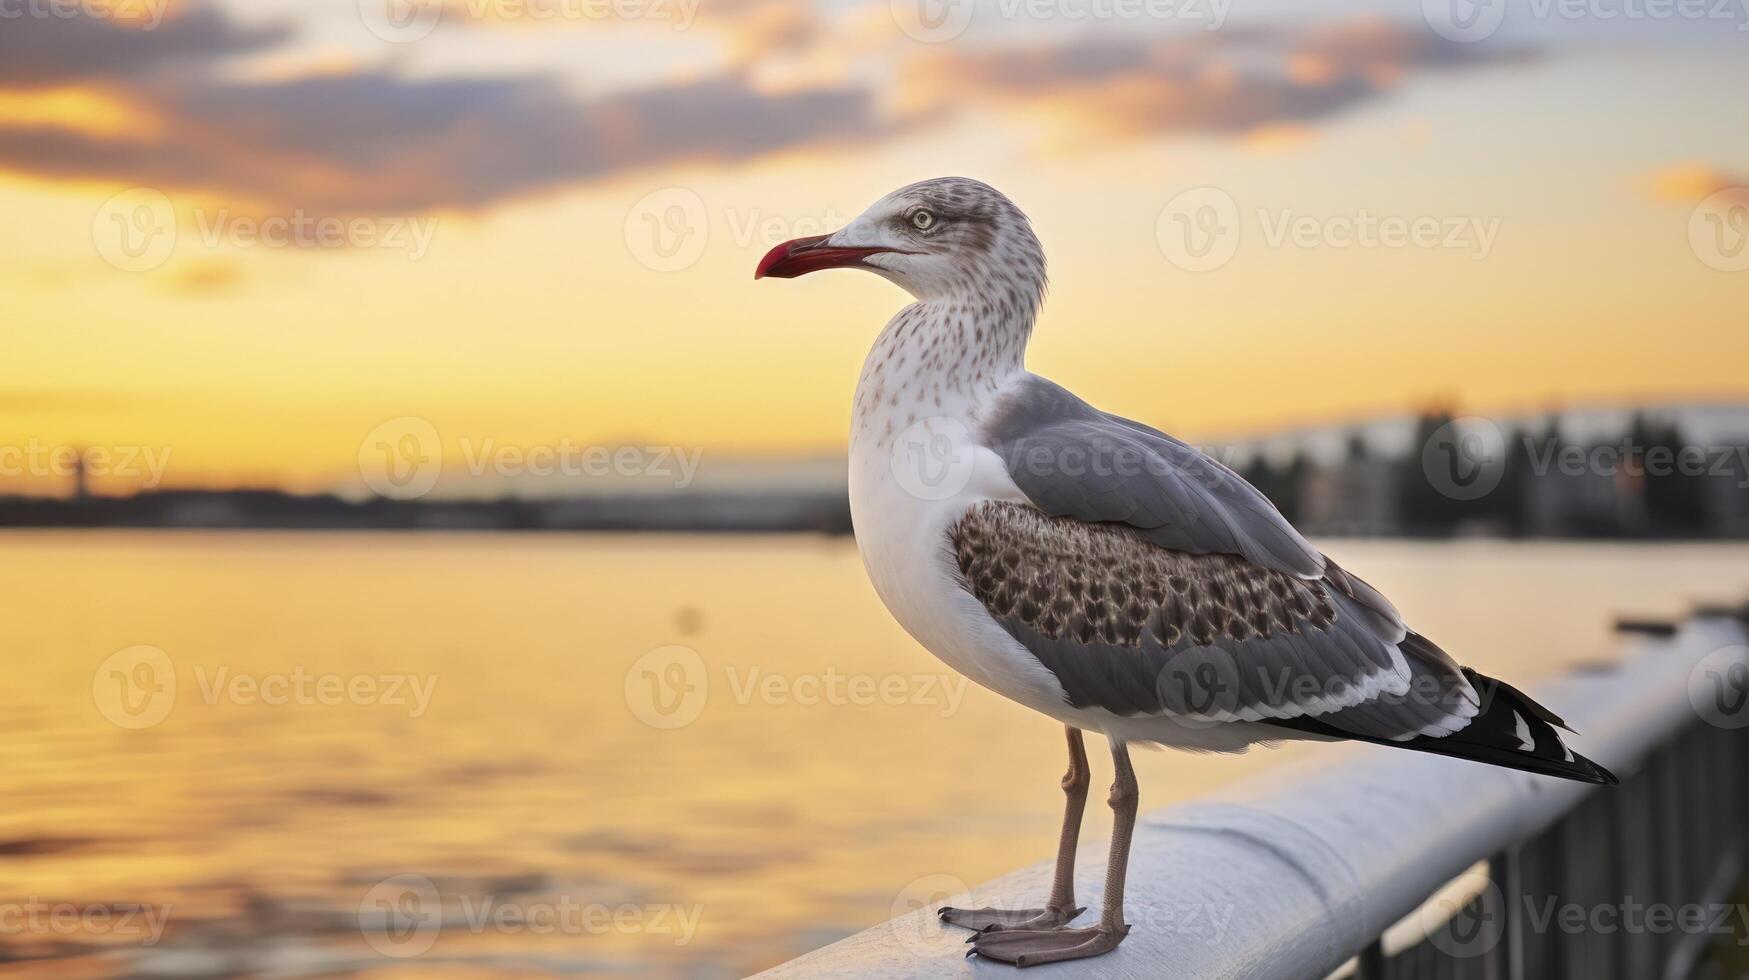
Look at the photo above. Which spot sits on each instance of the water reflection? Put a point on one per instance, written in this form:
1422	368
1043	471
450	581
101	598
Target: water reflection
527	818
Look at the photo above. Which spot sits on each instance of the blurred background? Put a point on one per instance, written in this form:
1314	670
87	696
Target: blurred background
425	546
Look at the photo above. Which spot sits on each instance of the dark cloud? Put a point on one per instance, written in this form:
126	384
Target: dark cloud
1226	82
38	52
376	140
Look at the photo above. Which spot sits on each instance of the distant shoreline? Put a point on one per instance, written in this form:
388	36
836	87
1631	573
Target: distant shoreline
786	512
260	510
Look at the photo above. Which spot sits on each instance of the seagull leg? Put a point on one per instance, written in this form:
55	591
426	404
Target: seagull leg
1060	906
1030	947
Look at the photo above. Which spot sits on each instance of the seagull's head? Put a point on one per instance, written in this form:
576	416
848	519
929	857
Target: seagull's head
939	238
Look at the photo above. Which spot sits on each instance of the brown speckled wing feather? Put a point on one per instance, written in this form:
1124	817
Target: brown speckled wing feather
1136	628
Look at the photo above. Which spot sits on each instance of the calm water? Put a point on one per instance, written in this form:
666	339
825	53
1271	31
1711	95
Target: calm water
528	755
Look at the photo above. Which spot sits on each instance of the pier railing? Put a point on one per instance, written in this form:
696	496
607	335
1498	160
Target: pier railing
1378	864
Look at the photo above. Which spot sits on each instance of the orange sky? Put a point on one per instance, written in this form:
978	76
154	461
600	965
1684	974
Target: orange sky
1564	186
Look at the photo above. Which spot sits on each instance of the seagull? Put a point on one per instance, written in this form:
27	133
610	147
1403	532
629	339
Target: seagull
1100	571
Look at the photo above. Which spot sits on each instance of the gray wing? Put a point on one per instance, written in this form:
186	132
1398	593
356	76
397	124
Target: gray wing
1072	460
1139	629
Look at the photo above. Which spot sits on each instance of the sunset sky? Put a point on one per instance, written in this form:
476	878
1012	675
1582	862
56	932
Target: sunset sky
537	221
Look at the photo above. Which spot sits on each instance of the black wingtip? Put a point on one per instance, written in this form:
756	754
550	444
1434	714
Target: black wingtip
1511	731
1493	685
1602	776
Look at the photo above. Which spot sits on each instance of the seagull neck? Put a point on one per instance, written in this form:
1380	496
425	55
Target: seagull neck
936	358
951	344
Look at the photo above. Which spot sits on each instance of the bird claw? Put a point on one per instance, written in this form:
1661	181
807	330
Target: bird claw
1032	947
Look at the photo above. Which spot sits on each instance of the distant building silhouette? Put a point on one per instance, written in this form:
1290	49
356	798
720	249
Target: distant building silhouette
1647	481
81	475
1361	496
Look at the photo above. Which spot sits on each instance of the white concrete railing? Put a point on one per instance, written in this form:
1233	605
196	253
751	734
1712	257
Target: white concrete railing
1294	873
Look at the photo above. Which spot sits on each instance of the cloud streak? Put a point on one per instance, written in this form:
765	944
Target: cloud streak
45	52
375	140
1223	83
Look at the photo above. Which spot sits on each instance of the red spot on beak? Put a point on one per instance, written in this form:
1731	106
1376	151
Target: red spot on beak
804	255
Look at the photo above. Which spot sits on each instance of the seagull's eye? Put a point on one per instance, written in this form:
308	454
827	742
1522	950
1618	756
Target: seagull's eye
922	220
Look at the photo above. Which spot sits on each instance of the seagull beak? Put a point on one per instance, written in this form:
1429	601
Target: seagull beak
805	255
